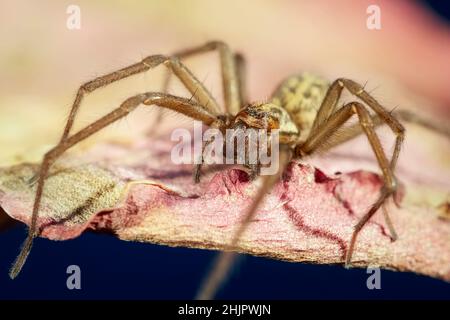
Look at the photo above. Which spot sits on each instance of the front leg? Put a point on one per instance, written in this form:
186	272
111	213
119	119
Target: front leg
180	105
255	170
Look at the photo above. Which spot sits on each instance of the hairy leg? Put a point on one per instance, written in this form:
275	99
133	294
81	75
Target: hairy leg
192	84
411	117
348	133
331	99
333	123
207	106
231	66
241	66
233	82
232	71
181	105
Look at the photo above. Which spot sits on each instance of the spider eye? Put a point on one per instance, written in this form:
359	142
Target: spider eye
260	116
273	122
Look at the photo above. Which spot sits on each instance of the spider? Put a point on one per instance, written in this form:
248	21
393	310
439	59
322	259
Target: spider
304	108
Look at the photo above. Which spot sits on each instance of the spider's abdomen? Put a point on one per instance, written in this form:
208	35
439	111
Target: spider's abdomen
301	96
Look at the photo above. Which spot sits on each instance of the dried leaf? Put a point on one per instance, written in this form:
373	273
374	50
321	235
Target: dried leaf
308	217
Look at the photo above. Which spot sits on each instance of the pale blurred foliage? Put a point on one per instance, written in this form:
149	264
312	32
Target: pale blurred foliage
42	62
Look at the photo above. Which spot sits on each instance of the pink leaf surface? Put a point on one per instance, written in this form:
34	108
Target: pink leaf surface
308	217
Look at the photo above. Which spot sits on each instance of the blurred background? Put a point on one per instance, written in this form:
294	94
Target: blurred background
43	62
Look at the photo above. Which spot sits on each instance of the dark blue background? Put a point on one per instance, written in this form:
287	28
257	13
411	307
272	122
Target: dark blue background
114	269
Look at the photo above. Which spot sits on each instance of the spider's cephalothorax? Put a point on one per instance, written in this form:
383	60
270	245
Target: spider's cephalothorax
304	109
269	116
291	110
255	126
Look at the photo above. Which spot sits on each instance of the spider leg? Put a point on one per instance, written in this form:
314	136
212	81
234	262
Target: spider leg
194	86
241	66
329	105
334	122
190	82
224	261
232	71
345	134
232	66
385	115
160	112
411	117
327	108
198	166
181	105
389	223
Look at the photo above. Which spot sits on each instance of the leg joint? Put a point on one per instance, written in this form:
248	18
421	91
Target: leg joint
155	60
90	86
51	155
391	186
401	130
133	102
83	89
216	44
299	152
352	86
339	82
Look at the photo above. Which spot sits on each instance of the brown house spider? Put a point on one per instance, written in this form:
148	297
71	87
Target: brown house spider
304	108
